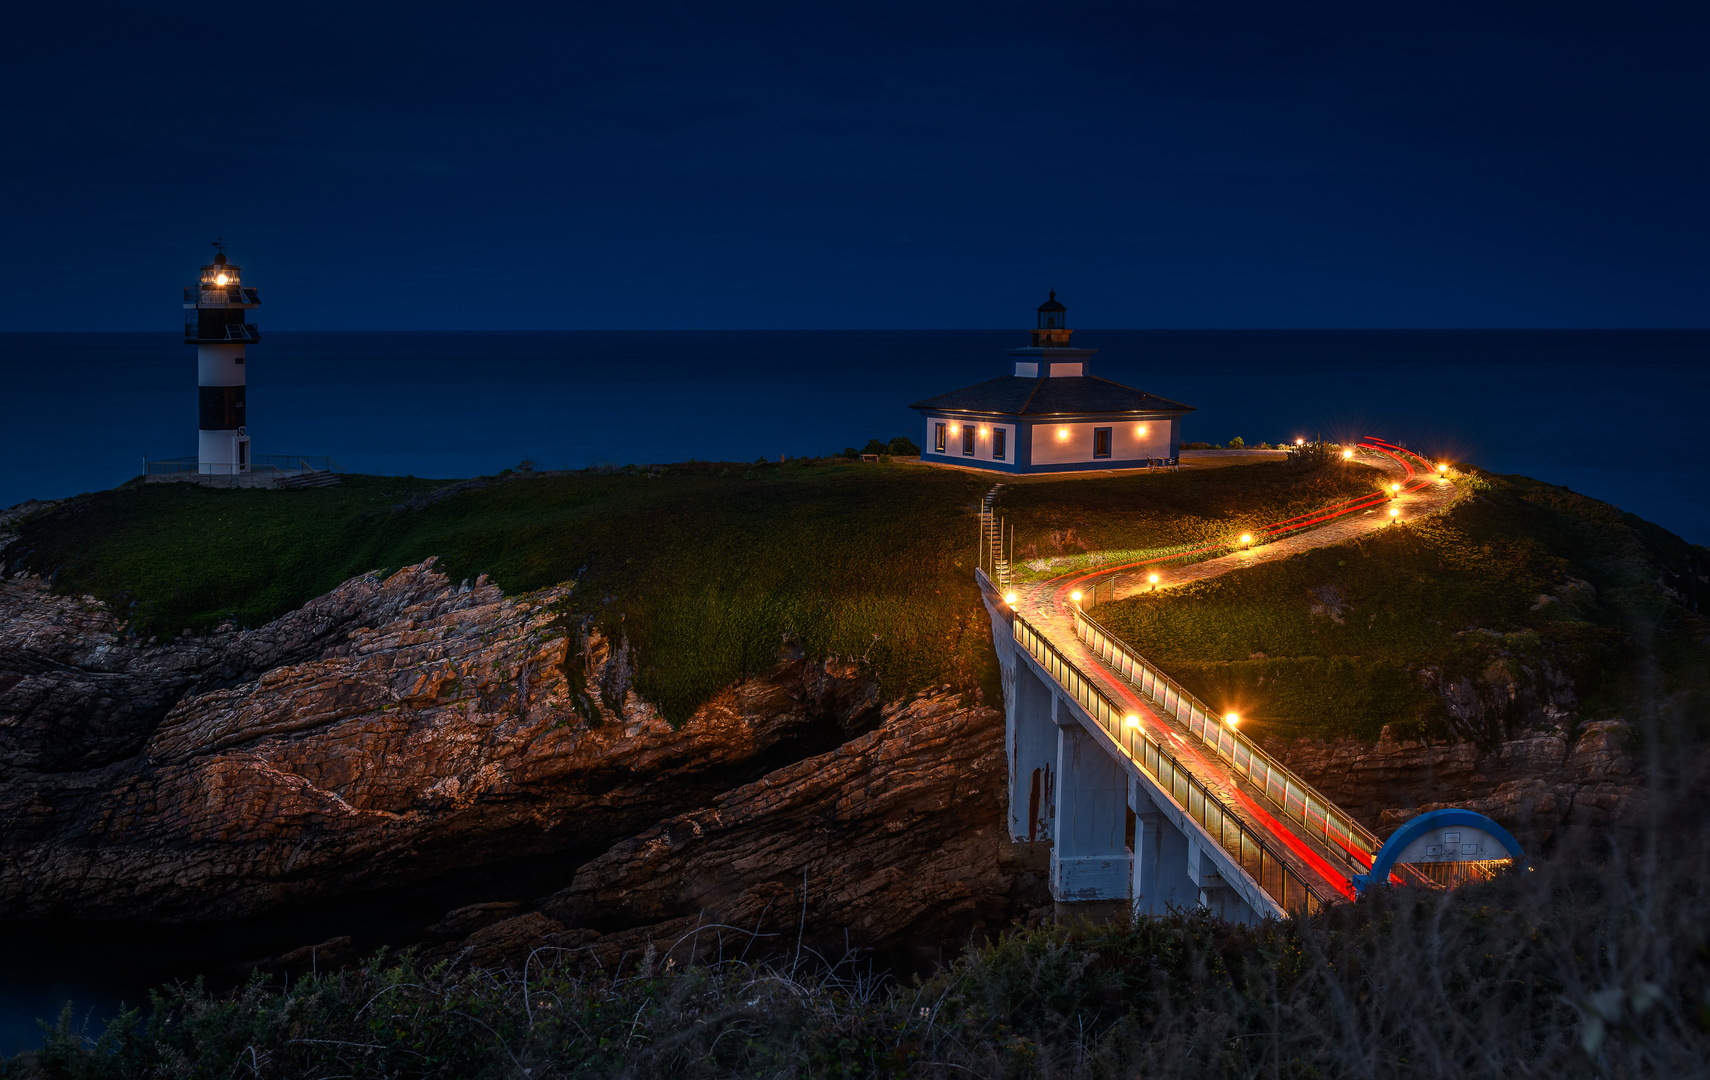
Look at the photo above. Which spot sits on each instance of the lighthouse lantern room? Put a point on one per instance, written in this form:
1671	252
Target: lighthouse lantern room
216	321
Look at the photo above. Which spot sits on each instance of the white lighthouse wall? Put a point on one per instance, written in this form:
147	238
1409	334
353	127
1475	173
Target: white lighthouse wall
984	440
1075	445
217	452
219	365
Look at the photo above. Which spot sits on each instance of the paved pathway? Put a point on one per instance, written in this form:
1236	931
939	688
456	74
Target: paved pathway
1046	605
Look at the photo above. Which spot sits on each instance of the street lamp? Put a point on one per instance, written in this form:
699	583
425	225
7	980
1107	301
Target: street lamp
1232	719
1075	596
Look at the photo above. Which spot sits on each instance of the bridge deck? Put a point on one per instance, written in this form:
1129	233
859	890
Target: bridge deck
1307	857
1047	607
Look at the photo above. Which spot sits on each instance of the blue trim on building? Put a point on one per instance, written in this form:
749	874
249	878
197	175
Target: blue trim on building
1424	823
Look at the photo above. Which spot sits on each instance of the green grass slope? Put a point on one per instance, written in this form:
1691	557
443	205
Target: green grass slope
705	568
1518	585
1069	524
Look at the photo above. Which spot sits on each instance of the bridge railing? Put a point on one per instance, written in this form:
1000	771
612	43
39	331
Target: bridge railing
1291	891
1299	801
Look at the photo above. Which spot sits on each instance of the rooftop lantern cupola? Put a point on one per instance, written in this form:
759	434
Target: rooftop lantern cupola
1053	329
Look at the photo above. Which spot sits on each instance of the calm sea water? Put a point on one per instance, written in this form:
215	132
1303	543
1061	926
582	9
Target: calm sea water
1614	414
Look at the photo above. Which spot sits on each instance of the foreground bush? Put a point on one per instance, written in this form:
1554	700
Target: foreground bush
1587	967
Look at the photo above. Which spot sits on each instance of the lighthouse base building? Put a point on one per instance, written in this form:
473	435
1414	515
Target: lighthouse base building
1051	414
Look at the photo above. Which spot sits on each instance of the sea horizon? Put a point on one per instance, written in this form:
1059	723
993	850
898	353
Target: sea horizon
1607	412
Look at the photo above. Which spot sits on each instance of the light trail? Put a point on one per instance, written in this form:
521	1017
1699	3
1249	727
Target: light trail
1216	774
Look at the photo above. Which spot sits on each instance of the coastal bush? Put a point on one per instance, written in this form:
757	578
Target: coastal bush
1236	443
903	446
1593	965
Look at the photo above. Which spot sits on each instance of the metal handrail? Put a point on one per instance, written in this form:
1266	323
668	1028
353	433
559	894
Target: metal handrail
1299	801
306	463
1252	854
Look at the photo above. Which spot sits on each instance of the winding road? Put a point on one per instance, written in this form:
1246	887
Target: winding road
1418	490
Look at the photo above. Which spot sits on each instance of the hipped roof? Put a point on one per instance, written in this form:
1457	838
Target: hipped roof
1013	395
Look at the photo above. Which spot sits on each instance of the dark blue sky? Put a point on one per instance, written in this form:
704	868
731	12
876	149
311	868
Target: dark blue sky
1198	164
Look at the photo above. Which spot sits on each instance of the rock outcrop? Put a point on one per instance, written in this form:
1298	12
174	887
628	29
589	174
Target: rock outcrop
1536	785
401	730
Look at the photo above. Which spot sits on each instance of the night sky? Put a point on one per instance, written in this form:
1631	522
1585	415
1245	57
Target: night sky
813	165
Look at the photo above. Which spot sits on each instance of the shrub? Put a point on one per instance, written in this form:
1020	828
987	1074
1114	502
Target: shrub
903	446
851	453
874	446
1236	443
1196	446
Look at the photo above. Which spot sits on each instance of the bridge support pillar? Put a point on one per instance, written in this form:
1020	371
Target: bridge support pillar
1160	876
1090	862
1032	738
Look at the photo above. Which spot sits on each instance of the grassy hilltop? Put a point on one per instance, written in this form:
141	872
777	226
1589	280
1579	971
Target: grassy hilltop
706	568
1515	585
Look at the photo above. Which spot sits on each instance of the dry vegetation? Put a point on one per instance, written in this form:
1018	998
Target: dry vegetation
1596	964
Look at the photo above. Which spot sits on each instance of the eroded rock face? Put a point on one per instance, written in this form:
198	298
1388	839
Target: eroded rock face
1536	785
892	836
389	731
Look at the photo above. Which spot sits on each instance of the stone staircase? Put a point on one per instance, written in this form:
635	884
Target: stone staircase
308	480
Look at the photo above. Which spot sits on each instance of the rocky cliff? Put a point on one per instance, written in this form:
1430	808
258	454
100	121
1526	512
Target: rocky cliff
398	730
1537	785
408	729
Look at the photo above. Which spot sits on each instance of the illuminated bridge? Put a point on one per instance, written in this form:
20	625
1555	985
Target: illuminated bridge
1146	795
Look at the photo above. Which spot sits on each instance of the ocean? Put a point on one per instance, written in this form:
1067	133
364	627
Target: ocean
1611	413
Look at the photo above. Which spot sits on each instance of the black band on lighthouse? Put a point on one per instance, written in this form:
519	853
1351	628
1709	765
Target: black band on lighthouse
222	408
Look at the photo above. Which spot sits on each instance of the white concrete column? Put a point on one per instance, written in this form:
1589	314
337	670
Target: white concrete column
1089	859
1160	878
1031	736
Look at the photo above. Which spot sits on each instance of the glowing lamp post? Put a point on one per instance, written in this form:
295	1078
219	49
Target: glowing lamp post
1232	719
1131	720
1300	442
1347	454
1394	514
1076	597
1247	539
1009	598
1395	487
1153	580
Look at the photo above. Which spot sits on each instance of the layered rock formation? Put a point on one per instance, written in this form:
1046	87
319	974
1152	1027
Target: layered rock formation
398	730
407	730
1536	785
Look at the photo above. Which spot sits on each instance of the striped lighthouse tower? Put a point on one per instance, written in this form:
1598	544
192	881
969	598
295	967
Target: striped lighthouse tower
215	310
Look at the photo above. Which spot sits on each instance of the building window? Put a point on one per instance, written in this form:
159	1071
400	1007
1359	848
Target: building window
1100	442
967	440
999	437
938	437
